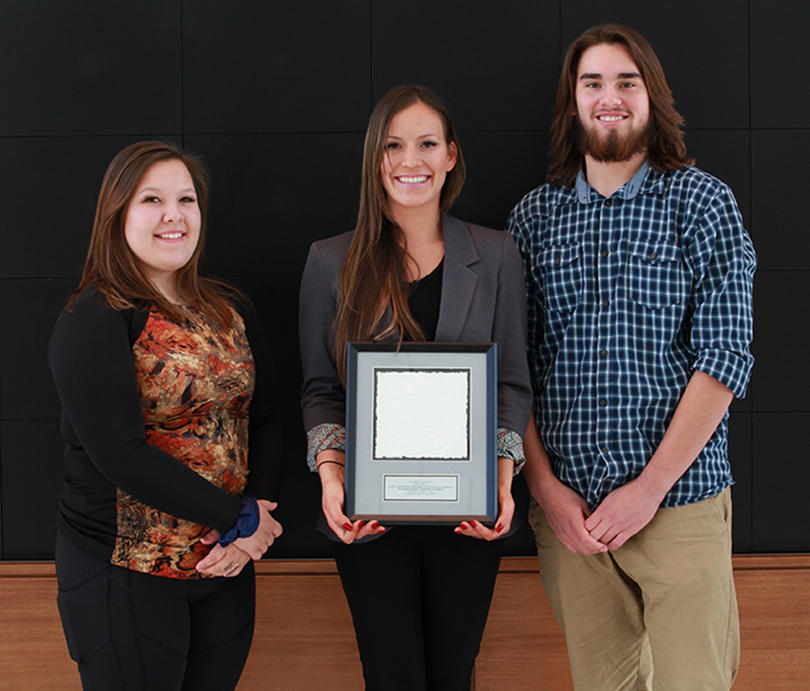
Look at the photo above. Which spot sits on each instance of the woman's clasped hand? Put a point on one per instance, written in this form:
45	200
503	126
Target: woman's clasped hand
229	560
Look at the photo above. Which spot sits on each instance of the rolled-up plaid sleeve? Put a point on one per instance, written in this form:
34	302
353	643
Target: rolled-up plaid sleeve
722	312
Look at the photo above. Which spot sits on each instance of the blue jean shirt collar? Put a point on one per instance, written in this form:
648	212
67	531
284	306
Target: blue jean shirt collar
587	194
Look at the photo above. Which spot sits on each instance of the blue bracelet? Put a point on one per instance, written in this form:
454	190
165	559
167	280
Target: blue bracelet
246	524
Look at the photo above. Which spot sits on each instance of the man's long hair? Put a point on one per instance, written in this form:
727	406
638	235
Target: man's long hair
666	149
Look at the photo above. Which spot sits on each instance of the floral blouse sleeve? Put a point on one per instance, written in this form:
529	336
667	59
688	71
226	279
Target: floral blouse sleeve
333	436
327	435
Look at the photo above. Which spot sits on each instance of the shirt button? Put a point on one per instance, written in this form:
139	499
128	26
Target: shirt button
654	255
557	260
606	303
605	253
608	202
603	353
602	402
604	450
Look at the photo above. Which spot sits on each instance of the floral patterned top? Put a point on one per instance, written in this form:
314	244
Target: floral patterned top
195	382
166	425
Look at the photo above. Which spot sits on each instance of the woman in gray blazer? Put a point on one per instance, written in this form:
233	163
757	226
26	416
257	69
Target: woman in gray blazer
419	595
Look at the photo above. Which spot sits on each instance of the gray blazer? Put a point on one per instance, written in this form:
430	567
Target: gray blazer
482	299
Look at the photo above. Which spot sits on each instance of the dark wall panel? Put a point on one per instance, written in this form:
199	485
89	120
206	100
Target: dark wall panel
30	307
780	480
494	64
273	194
739	454
782	332
86	67
300	501
297	66
501	168
30	487
779	164
48	191
703	47
276	96
275	299
726	154
780	52
521	542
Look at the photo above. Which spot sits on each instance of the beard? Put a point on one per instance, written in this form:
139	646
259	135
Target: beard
613	148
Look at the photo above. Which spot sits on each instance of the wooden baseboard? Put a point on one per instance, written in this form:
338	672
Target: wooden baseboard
304	637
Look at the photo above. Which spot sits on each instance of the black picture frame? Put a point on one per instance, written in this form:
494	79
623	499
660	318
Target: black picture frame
421	432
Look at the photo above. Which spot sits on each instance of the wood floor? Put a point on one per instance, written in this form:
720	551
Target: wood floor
304	638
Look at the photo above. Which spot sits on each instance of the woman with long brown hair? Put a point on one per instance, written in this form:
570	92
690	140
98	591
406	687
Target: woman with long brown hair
419	595
164	381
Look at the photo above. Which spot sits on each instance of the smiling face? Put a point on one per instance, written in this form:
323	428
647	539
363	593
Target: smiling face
613	107
416	159
162	223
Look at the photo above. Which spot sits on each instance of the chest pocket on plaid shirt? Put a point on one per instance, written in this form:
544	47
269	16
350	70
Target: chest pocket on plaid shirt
655	275
561	267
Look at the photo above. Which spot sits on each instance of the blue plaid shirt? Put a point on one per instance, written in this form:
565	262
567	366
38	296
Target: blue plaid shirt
627	296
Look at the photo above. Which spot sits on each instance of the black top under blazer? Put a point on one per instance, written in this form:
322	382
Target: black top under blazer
482	299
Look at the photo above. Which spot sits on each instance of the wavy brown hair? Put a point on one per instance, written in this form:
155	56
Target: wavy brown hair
666	149
374	274
111	264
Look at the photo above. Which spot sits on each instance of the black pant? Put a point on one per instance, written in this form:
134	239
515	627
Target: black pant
419	598
133	631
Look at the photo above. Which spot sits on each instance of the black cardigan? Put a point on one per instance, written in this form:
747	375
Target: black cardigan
90	354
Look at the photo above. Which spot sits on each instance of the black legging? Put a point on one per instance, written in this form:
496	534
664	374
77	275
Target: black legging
133	631
419	598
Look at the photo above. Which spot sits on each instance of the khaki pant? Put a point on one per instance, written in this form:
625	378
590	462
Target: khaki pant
658	613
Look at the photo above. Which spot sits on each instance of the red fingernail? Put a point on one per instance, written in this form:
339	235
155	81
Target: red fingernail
360	524
472	523
457	530
498	528
374	524
347	526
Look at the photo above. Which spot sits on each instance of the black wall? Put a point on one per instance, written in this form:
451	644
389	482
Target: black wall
275	96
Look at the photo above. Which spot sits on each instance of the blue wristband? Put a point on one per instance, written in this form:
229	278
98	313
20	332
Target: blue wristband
246	524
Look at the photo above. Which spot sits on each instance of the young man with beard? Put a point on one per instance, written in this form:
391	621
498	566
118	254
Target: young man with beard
639	276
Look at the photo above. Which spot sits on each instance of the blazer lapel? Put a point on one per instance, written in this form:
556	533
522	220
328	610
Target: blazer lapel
458	280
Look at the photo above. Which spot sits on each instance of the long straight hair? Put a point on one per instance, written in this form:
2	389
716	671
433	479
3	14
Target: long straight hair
666	149
374	275
112	266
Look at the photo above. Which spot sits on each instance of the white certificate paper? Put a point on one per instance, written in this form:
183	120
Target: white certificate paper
421	414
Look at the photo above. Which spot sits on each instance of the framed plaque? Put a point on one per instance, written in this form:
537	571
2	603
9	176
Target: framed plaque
421	432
